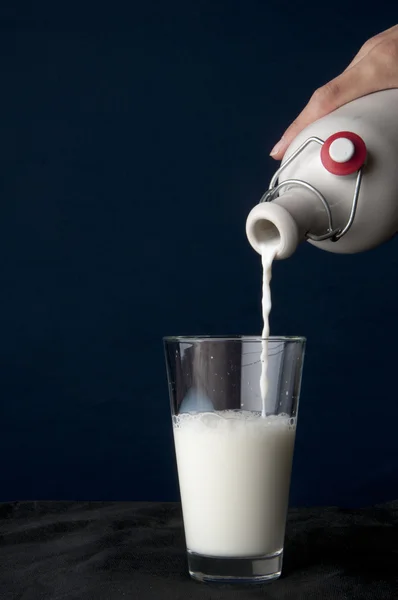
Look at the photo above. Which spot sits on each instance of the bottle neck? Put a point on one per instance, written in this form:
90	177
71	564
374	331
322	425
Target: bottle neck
287	219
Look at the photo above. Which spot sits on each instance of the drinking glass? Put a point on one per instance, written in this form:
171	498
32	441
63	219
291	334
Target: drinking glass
234	451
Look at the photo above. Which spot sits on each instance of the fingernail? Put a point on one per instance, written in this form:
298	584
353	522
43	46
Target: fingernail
277	147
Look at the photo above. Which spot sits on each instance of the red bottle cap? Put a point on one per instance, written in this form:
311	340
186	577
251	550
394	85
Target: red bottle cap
343	153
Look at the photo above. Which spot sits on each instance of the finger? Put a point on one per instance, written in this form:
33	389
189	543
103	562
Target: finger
364	78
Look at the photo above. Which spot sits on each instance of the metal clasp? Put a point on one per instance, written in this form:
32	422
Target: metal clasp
332	233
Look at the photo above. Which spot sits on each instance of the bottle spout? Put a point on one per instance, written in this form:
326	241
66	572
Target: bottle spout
285	221
270	223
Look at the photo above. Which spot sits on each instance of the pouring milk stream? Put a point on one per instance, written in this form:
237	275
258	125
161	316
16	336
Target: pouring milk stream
268	253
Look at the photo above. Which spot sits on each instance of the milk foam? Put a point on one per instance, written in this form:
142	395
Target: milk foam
221	420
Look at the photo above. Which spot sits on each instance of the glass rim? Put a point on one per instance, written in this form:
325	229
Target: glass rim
233	338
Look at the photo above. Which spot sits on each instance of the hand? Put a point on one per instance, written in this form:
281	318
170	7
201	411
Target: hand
374	68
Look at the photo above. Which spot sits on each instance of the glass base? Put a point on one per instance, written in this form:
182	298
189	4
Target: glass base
257	569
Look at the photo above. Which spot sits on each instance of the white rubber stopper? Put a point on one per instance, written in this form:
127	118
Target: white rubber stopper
341	150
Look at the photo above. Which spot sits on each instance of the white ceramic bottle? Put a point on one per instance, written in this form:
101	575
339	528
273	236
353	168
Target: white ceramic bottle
338	182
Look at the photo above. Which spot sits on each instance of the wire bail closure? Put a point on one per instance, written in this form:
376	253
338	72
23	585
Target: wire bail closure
332	233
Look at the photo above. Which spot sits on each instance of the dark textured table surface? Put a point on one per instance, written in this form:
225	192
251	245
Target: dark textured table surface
112	551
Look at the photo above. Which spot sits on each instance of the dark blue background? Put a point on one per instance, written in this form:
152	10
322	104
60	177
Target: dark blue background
134	141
